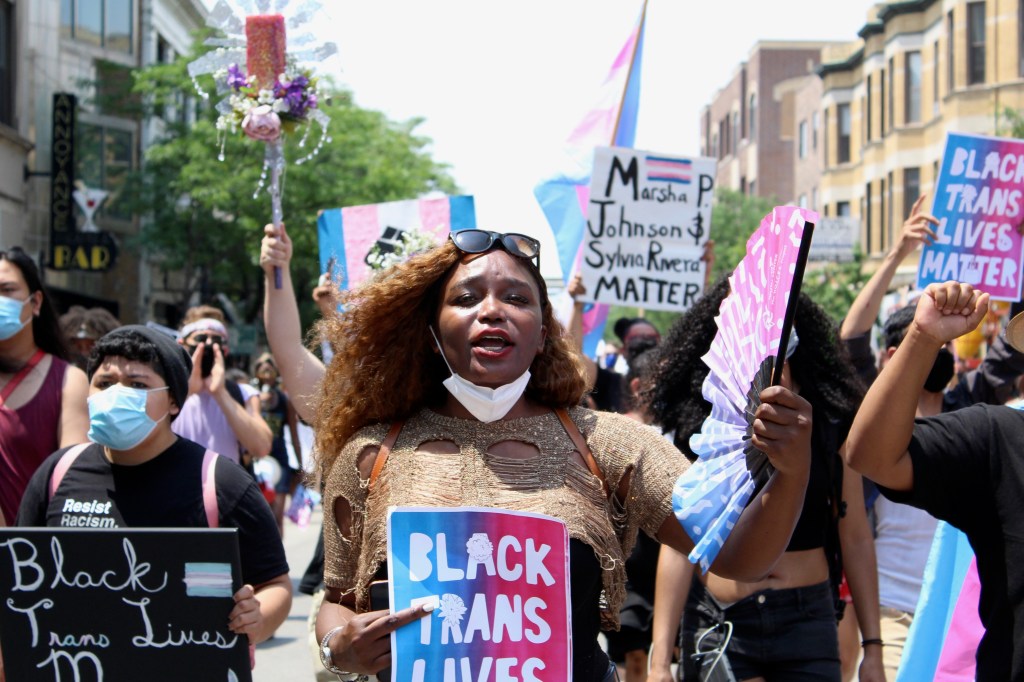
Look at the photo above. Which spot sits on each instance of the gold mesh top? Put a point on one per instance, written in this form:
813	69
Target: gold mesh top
552	483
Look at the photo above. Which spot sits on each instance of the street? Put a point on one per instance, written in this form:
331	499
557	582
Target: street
286	657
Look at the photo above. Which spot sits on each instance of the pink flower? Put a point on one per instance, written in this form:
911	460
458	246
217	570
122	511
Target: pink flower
262	123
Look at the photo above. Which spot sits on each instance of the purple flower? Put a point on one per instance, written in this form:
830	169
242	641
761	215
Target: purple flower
236	79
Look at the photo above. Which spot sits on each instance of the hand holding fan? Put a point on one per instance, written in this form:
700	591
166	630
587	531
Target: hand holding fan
746	356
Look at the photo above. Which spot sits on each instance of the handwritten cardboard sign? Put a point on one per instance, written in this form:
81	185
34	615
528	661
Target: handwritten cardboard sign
120	605
647	222
979	202
500	584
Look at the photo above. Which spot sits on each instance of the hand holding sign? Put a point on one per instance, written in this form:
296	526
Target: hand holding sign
363	645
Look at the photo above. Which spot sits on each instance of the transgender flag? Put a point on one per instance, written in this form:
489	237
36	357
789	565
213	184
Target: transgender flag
944	636
346	235
564	196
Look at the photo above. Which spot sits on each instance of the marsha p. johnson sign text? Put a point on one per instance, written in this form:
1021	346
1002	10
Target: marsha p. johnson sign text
647	223
500	584
979	202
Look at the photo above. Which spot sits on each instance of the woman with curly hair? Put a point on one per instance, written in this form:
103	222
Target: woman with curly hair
783	626
453	384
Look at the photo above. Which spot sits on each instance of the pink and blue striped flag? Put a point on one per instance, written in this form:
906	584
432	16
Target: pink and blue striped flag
564	196
347	235
944	636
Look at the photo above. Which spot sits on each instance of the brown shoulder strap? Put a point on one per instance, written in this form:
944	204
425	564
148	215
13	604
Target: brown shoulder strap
581	446
385	450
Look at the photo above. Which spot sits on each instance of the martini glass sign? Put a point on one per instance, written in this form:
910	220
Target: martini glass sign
746	356
266	90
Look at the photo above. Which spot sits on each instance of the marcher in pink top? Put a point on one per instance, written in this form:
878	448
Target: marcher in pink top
42	398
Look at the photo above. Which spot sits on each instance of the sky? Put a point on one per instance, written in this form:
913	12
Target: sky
501	85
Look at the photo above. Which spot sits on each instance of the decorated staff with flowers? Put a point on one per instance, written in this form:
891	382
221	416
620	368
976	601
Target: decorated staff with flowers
271	95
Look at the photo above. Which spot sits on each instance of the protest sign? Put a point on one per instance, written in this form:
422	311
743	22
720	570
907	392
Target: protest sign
500	583
120	605
347	235
978	201
647	222
835	239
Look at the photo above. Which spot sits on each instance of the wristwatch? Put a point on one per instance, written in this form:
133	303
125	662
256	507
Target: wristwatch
325	659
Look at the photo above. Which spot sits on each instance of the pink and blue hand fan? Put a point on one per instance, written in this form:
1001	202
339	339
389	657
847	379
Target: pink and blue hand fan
746	356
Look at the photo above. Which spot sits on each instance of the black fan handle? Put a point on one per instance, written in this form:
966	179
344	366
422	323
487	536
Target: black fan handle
794	296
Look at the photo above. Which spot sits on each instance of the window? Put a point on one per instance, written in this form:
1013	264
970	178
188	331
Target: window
814	130
975	42
883	237
802	140
892	94
912	88
867	111
1020	38
736	132
753	188
6	63
911	189
888	216
103	158
814	198
950	66
802	201
881	103
103	23
843	143
825	138
867	217
842	208
714	146
753	117
935	77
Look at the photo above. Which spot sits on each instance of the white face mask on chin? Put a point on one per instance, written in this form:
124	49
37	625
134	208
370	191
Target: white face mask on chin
486	404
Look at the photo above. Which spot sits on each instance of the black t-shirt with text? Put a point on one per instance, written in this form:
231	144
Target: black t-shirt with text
164	492
969	471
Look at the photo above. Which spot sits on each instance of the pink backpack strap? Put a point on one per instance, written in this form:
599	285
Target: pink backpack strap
210	488
63	464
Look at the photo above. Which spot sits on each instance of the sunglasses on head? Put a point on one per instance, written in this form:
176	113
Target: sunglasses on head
199	339
481	241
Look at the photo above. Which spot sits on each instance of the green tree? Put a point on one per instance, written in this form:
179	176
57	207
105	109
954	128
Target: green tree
201	218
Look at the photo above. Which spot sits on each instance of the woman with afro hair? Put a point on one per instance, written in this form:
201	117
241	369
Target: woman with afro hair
783	626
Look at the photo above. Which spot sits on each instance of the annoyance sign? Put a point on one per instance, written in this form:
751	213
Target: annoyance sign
647	223
120	605
499	581
979	199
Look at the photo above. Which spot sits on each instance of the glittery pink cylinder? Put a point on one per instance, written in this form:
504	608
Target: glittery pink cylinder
265	48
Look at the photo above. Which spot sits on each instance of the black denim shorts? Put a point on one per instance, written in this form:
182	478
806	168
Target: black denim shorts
780	635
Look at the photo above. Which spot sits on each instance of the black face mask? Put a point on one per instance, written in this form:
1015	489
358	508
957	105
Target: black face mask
942	372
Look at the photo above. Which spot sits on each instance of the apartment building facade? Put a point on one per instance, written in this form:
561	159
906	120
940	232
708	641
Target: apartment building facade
921	68
61	131
743	125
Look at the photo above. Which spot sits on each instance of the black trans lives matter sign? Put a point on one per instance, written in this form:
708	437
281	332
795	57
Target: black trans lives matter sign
118	605
648	220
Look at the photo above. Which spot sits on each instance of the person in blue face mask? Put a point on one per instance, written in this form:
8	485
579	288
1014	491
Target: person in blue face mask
139	473
42	397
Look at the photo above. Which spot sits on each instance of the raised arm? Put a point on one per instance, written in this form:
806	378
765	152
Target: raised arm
864	310
878	440
300	369
575	288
